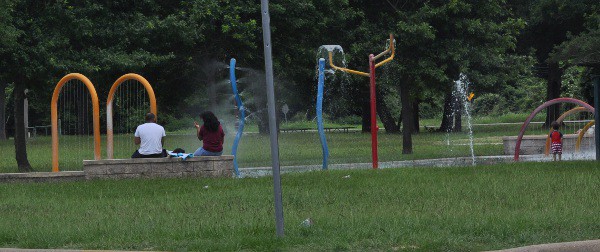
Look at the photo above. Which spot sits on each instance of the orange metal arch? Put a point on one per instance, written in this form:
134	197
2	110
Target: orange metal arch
582	133
109	106
54	116
559	120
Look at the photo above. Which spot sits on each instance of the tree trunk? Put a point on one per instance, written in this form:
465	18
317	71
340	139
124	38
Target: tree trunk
415	107
447	117
552	92
20	138
407	117
2	111
366	116
263	123
389	123
457	114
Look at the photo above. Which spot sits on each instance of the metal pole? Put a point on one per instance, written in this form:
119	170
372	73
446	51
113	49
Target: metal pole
241	114
266	26
596	80
374	128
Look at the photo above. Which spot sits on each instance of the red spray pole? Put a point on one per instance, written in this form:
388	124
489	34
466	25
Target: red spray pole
374	127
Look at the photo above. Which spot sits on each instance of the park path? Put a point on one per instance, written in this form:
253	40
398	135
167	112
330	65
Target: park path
576	246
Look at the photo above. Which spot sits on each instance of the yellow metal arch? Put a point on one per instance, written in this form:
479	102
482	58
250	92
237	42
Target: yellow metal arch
559	120
54	116
109	106
581	134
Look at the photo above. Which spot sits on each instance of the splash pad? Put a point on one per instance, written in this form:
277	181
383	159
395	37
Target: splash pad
542	143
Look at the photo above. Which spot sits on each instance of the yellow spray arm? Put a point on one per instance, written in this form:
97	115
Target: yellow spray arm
390	49
344	69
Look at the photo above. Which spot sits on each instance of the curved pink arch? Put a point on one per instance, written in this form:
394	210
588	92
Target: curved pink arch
543	106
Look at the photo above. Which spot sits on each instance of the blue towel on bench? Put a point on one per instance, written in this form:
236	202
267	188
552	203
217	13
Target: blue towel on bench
180	155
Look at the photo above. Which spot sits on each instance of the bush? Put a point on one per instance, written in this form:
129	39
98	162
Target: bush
490	104
350	120
429	111
172	123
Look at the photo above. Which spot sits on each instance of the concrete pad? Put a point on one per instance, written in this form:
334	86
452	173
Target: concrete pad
576	246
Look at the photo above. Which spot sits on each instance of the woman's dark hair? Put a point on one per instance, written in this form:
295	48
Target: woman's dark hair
210	121
555	125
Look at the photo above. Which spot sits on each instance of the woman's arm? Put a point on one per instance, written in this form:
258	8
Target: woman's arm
222	135
198	131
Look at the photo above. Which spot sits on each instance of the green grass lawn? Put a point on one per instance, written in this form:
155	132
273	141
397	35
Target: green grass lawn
254	150
414	209
295	148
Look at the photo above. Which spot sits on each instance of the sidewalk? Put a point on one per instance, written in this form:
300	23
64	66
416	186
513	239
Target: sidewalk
578	246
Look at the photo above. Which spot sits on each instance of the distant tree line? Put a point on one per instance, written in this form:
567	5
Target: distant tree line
505	47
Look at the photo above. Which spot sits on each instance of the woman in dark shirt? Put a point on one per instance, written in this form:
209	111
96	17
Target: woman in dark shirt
211	134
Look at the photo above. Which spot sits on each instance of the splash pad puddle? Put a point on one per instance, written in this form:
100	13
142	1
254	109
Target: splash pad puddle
536	144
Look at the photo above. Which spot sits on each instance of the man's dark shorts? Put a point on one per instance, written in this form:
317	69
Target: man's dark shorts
137	154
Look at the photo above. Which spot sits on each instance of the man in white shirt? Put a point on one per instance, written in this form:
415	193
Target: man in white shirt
151	137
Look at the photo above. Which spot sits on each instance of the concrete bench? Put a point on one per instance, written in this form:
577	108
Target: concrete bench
210	167
338	129
296	130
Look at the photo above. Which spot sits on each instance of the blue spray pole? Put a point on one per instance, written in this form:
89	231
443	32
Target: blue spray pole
242	115
320	112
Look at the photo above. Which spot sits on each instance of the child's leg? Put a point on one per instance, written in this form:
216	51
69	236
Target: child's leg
553	156
559	156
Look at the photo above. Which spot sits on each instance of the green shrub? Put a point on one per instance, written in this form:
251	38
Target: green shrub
172	123
429	111
490	104
350	119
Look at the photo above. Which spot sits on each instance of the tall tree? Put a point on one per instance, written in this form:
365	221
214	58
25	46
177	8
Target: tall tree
8	36
440	39
583	49
20	131
437	40
54	38
2	110
550	23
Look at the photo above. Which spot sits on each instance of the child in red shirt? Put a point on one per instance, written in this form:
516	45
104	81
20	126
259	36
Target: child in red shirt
556	138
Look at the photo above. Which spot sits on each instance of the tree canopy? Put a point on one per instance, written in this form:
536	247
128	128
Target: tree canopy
501	45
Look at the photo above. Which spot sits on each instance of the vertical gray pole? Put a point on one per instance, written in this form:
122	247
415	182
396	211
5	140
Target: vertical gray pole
266	26
596	80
